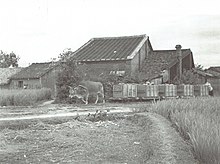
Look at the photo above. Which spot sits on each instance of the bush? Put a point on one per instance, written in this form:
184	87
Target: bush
23	97
198	121
69	76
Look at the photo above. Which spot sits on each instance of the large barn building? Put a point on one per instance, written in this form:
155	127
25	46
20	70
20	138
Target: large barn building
132	55
115	54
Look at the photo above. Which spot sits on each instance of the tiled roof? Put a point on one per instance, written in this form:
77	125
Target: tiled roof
216	69
159	61
109	48
202	72
5	73
35	70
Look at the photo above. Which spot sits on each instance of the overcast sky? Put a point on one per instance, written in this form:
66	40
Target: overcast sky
38	30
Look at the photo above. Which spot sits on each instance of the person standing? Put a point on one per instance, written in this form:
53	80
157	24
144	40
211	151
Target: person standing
210	88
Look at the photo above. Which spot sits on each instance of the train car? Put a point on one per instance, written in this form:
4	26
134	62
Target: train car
148	91
125	91
167	91
152	92
185	91
201	90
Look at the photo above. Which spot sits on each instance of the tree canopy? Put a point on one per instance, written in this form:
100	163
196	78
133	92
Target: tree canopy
7	60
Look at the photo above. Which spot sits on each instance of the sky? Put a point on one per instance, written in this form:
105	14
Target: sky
39	30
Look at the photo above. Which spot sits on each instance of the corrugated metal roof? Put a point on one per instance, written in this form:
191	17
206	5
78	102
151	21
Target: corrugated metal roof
6	73
35	70
109	48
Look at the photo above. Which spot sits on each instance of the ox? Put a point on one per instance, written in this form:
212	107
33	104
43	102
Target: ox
86	88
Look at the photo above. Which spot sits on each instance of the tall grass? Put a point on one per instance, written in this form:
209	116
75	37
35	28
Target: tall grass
197	120
23	97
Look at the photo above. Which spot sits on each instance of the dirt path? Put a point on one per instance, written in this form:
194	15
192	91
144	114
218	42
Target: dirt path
168	146
68	114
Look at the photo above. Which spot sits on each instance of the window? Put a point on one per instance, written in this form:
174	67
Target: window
119	73
20	84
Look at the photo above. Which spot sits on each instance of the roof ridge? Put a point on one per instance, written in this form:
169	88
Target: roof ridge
171	50
141	43
118	37
44	62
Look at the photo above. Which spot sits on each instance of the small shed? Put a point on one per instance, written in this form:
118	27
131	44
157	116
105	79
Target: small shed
36	76
5	74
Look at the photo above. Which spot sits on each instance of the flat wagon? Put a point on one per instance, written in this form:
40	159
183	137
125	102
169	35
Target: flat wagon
155	92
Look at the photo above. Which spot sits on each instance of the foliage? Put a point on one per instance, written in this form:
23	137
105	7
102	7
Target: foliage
199	67
198	121
65	54
189	77
70	75
23	97
7	60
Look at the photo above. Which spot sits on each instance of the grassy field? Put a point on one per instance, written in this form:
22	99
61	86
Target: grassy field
23	97
197	120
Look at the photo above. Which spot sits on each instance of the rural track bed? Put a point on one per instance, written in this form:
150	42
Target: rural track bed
134	138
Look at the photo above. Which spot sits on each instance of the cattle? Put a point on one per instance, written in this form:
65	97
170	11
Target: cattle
87	88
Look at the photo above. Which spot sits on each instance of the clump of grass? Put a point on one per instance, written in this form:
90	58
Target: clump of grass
198	121
23	97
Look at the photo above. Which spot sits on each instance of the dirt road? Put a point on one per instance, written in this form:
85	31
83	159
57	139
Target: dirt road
67	114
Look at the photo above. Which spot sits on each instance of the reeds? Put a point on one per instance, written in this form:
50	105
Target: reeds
23	97
197	120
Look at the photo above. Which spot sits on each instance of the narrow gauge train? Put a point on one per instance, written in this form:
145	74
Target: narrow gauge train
155	92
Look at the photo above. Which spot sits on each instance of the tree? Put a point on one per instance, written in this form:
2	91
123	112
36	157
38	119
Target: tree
70	75
7	60
65	54
199	67
189	77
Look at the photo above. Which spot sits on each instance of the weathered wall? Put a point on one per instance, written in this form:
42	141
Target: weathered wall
186	65
130	66
31	83
96	68
187	62
5	86
49	80
138	60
